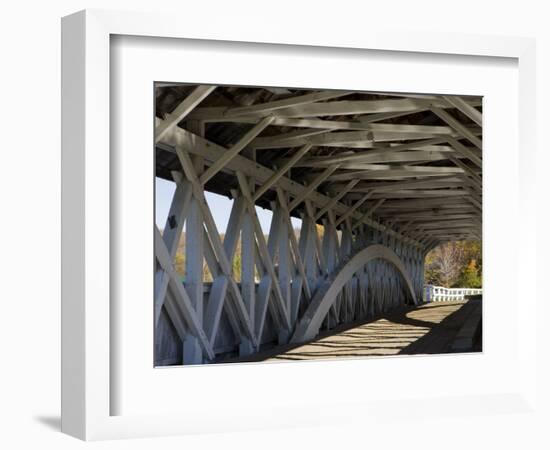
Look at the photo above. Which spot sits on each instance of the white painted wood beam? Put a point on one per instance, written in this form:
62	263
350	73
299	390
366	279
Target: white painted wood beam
428	218
405	227
281	171
381	139
333	201
388	186
466	152
345	137
291	278
179	208
264	252
264	302
312	186
284	267
211	151
466	109
294	101
307	250
284	139
215	239
231	238
475	174
235	149
435	130
355	107
217	296
171	236
182	110
437	224
368	213
417	193
462	129
371	139
175	314
310	211
194	270
448	231
358	156
377	157
353	208
296	122
426	184
298	137
429	210
293	241
248	283
381	171
457	204
475	202
419	145
183	300
311	109
371	118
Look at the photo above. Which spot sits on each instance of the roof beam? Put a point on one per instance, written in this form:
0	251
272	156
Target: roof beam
372	171
284	139
312	109
296	122
467	170
466	152
336	199
462	129
368	213
353	208
182	110
443	202
355	107
295	101
311	187
210	151
465	108
427	193
419	218
281	171
235	149
377	157
390	186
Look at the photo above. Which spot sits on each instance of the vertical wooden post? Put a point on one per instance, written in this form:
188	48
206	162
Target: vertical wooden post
284	258
248	283
194	260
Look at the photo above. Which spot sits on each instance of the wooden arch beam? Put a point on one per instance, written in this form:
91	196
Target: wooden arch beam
326	295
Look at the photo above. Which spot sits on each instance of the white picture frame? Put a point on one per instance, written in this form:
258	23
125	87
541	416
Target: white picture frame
88	385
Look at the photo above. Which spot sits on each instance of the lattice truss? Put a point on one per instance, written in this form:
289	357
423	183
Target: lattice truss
387	176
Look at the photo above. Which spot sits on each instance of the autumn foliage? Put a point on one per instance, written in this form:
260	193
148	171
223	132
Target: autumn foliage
455	264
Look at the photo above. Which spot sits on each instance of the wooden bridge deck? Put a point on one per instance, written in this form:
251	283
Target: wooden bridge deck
442	327
428	329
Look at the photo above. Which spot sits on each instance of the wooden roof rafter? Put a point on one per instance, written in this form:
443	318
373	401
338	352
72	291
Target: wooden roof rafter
416	158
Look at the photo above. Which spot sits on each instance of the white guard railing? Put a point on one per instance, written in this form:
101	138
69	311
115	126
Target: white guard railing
442	294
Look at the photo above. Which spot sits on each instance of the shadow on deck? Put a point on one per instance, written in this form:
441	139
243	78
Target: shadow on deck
434	328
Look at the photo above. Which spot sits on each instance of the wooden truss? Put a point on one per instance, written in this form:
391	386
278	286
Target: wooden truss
377	180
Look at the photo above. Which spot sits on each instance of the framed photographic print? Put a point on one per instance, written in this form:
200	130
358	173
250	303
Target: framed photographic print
266	231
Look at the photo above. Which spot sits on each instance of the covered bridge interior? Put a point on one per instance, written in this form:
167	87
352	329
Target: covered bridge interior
377	179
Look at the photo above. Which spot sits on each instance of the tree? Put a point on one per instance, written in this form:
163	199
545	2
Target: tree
469	277
455	264
445	264
179	264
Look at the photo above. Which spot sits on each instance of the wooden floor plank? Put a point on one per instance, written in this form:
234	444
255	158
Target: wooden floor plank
428	329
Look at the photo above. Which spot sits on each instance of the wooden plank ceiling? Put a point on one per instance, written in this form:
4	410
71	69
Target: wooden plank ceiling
411	162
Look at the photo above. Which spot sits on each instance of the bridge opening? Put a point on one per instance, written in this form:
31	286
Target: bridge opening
295	221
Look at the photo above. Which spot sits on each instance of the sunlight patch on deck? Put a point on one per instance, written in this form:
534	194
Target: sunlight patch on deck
385	336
